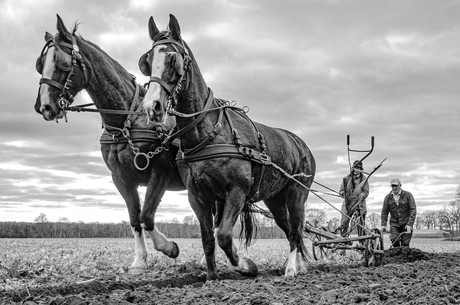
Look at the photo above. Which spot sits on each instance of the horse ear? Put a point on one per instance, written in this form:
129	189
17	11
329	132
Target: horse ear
48	36
174	27
63	33
153	30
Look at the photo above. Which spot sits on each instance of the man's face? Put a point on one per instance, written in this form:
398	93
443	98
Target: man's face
395	188
357	170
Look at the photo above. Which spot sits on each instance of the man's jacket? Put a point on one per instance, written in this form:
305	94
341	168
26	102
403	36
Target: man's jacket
402	214
355	193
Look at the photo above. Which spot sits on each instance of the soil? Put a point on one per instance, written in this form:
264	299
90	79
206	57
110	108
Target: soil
413	278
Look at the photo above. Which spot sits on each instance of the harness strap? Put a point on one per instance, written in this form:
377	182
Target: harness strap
222	151
238	143
115	133
168	40
162	83
187	128
136	135
51	83
77	57
132	117
236	136
210	136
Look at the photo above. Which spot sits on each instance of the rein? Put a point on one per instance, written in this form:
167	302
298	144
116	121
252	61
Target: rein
83	108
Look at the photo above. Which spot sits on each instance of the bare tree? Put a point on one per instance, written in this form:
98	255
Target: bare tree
62	224
420	221
453	208
431	219
41	218
315	217
445	219
373	220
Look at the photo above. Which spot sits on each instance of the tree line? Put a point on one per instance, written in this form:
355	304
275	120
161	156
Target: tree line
63	228
447	218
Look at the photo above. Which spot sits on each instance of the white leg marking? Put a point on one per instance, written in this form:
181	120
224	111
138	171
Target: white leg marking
139	264
291	268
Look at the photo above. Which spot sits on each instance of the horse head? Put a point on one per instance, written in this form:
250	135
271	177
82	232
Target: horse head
166	64
64	73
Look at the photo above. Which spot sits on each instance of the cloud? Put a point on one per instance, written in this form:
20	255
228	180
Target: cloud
322	69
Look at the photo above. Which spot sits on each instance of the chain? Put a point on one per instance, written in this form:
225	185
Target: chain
147	156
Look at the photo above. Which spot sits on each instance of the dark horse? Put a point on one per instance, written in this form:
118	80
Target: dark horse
69	64
224	156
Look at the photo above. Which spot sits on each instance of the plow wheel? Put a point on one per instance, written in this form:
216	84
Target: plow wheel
318	251
372	259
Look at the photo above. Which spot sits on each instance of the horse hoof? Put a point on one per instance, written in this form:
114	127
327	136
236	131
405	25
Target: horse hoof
136	270
211	276
175	251
250	269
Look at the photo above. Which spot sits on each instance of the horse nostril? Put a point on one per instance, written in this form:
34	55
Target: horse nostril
157	107
46	108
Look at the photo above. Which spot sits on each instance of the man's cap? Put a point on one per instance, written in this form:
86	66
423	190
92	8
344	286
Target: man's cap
358	163
395	181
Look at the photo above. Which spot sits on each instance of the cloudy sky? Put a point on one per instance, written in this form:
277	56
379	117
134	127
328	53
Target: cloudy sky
322	69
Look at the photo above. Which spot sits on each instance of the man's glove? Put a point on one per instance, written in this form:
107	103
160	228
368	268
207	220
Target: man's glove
408	229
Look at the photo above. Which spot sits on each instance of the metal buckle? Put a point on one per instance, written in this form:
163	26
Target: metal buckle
264	158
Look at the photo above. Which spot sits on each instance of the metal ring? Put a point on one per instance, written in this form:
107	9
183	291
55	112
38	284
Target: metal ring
63	103
146	159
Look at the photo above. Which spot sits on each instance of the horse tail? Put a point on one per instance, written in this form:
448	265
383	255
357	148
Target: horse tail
249	224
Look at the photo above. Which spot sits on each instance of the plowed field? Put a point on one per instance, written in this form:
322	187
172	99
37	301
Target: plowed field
94	271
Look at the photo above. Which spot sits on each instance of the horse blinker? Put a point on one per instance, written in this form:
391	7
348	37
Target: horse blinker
179	64
63	60
144	65
39	65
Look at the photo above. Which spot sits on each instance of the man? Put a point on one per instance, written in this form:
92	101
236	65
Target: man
354	190
401	206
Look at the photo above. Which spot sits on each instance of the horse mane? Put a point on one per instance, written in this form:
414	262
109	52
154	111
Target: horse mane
122	72
75	27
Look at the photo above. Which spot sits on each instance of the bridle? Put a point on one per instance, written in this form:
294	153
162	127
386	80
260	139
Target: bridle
65	62
182	65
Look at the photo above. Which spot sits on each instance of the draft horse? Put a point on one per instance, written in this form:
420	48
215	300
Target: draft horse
129	143
224	156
